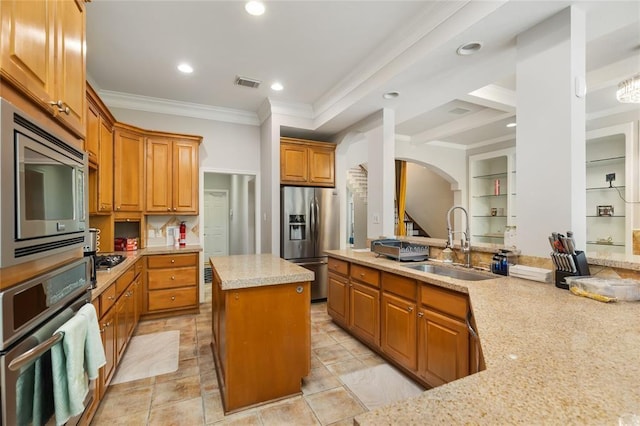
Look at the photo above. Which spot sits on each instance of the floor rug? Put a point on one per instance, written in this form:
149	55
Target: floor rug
149	355
380	385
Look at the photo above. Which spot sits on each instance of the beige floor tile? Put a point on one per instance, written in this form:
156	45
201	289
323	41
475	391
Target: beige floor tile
321	339
127	401
189	412
186	368
125	419
241	419
332	354
371	360
293	411
320	379
348	366
176	390
213	411
208	382
339	335
315	362
141	383
355	347
333	405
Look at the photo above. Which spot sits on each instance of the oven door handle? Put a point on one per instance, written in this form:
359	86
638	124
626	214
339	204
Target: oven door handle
29	356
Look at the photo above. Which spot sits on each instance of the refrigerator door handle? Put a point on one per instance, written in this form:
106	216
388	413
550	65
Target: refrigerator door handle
312	221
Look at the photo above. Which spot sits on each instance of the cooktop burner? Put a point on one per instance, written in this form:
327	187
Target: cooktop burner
104	262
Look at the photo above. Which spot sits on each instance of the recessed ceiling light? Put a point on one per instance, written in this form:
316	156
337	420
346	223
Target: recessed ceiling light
255	8
512	124
469	48
185	68
277	86
390	95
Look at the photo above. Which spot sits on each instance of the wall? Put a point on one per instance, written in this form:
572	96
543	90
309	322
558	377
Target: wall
429	197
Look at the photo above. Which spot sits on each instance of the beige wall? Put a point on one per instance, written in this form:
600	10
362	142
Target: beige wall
429	196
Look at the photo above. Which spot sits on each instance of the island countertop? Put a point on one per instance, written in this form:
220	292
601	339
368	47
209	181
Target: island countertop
255	270
551	357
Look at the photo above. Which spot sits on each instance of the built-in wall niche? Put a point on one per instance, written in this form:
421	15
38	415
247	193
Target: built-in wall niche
127	230
610	181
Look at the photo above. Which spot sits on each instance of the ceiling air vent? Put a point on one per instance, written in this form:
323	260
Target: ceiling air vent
247	82
459	111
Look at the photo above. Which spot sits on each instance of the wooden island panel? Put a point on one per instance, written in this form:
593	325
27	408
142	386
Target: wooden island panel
261	333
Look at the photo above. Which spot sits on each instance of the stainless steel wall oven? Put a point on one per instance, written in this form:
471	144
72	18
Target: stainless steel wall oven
43	203
31	313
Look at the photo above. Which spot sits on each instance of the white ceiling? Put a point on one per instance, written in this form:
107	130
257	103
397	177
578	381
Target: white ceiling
337	58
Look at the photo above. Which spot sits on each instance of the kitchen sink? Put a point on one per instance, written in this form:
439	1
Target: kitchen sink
450	272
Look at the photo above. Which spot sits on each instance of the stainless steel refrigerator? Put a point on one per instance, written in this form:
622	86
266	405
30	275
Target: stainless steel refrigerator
309	226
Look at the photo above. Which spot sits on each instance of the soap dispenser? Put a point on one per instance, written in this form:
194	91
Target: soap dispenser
447	255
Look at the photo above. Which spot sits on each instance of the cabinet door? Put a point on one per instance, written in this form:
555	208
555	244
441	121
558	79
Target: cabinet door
159	176
105	168
338	298
128	171
185	176
443	348
398	338
109	343
28	40
92	136
364	312
321	168
70	71
294	164
121	327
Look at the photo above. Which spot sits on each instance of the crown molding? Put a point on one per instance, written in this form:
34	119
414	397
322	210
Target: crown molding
186	109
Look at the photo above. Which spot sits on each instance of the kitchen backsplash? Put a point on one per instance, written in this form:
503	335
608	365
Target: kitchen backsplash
160	227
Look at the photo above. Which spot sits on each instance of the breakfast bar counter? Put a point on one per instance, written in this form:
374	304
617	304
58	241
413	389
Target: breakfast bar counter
261	323
551	357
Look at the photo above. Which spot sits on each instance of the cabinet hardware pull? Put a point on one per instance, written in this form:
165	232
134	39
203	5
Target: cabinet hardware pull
420	314
410	309
173	277
173	298
117	207
57	103
362	274
168	209
111	297
174	209
173	261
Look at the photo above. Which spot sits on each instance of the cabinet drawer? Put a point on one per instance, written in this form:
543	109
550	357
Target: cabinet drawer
338	266
366	275
171	278
173	298
107	299
172	260
123	282
402	286
138	267
444	300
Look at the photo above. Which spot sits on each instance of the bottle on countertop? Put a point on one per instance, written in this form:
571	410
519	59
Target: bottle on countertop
183	234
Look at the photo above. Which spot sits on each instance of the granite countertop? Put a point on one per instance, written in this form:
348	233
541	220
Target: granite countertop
107	277
551	357
256	270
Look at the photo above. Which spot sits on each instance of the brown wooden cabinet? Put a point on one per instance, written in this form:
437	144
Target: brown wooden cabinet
305	162
99	146
398	335
338	291
172	175
444	341
262	351
364	312
172	283
43	55
128	169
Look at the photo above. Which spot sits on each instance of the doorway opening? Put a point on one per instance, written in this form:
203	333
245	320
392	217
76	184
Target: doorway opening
229	216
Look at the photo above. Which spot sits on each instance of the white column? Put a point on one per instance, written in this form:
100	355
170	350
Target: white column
550	147
381	178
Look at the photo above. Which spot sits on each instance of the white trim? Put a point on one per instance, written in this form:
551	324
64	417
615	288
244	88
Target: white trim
226	192
186	109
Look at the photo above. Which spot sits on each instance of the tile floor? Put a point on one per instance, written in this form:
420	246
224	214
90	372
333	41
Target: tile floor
190	396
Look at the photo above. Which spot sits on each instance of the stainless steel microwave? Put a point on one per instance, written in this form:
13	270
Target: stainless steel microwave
43	203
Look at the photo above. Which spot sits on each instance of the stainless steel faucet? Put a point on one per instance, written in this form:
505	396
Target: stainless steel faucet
465	243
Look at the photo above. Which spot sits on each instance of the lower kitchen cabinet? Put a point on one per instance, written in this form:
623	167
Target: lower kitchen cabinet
398	339
172	283
443	348
364	312
338	291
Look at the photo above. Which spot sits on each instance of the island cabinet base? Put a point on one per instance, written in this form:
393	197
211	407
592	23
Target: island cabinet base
261	342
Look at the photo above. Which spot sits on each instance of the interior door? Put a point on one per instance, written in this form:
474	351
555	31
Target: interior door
216	223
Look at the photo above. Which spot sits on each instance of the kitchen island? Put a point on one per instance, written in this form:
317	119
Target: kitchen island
261	327
551	357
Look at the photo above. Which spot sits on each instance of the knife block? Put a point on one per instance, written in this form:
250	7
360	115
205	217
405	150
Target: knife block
580	260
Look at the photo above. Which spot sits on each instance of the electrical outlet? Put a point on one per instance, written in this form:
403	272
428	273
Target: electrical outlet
610	177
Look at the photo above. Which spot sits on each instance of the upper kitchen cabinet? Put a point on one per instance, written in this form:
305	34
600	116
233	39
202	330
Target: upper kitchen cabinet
307	163
609	182
99	147
172	174
43	55
128	169
492	195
